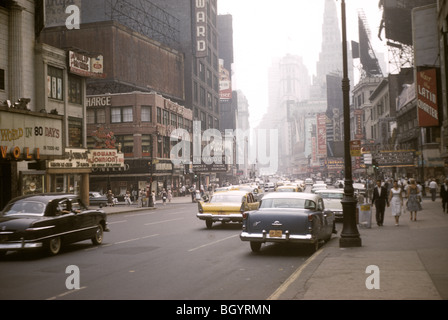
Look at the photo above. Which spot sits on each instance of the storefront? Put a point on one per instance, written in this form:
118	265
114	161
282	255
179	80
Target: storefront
27	140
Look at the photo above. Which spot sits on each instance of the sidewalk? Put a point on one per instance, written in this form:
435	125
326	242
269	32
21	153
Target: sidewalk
412	260
123	208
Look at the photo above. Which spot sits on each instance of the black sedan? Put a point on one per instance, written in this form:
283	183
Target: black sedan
97	199
288	217
48	221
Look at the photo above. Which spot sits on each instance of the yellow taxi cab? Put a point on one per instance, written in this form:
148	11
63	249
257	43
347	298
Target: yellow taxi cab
226	206
289	188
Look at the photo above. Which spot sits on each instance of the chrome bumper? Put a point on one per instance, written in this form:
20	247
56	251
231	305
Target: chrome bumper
286	237
220	217
20	245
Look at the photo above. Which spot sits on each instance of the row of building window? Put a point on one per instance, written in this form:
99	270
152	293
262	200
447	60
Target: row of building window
125	114
55	86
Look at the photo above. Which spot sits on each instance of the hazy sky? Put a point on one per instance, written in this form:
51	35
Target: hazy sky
263	29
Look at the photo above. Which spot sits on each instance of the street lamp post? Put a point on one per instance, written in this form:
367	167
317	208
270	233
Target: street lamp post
349	236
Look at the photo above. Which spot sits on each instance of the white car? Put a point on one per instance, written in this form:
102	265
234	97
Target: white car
332	200
318	186
308	181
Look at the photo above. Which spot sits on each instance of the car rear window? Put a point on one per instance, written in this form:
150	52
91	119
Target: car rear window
331	195
226	198
288	203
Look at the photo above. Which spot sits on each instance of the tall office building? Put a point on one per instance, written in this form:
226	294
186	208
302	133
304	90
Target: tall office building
198	40
330	57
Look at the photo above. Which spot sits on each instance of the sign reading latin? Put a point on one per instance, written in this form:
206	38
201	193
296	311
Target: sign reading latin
427	105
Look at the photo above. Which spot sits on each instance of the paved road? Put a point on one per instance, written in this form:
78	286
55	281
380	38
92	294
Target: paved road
165	253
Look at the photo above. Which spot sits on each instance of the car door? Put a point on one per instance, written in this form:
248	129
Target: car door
65	221
84	218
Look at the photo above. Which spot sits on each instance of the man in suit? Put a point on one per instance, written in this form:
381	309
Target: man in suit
380	199
444	196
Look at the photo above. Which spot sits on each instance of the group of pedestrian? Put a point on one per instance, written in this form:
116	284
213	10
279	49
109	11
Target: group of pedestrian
395	199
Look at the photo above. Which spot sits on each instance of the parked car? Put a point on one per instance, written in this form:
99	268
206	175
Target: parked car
97	199
332	200
49	221
227	206
309	181
288	217
270	186
360	188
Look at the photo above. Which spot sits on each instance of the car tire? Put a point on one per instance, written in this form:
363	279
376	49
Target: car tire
99	233
255	246
209	224
314	246
53	246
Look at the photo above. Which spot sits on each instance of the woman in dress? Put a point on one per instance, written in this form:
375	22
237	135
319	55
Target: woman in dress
413	203
396	201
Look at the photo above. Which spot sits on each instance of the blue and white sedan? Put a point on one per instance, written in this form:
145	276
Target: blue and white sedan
288	217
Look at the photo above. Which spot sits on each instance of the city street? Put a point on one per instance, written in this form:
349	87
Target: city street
165	253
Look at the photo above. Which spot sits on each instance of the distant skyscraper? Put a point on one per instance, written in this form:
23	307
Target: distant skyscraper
330	57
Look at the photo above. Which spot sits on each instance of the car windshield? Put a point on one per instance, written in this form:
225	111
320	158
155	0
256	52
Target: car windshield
226	198
329	195
288	203
27	207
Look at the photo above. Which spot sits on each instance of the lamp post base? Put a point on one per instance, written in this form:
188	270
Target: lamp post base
349	236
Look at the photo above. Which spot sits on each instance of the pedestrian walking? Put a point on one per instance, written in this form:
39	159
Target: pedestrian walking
141	196
127	198
170	195
396	202
164	196
413	203
380	199
183	190
433	189
153	195
110	198
193	193
444	196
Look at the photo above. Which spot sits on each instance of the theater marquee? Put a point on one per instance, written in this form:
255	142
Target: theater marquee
29	137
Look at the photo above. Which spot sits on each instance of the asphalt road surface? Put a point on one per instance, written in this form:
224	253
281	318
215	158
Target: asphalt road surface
163	254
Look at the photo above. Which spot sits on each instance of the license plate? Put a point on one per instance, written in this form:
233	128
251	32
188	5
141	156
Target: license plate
275	233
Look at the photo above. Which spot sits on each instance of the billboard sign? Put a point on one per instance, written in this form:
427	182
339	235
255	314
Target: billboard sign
427	102
201	28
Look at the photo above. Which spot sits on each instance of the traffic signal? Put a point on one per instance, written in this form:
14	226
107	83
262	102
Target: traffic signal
375	164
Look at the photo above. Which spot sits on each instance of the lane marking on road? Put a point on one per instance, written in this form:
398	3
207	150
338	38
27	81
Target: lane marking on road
136	239
276	295
66	293
212	243
139	214
121	242
121	221
163	221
